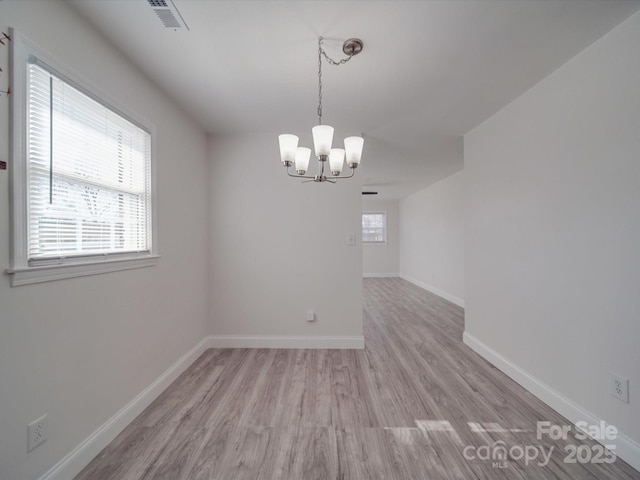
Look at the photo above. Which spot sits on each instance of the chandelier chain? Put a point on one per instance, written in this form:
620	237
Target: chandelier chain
330	61
320	81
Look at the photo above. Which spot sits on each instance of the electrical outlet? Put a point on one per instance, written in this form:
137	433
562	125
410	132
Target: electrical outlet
37	432
311	315
620	388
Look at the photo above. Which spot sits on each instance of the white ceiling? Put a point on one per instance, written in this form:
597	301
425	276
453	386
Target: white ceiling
430	70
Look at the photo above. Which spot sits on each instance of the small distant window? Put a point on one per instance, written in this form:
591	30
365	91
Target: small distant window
374	227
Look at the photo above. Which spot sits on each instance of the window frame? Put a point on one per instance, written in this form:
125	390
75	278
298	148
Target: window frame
20	271
383	242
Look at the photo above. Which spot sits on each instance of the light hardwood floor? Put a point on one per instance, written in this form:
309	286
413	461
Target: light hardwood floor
406	407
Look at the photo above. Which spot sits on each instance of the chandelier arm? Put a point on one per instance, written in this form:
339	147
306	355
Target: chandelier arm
295	175
301	176
353	172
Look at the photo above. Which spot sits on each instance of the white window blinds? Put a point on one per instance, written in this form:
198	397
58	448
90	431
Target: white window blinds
374	227
89	174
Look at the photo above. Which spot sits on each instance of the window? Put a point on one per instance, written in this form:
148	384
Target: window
81	178
374	227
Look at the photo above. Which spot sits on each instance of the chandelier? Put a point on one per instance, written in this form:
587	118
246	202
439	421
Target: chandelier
298	157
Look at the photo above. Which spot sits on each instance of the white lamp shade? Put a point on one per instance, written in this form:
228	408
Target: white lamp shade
336	160
302	159
353	147
288	147
322	138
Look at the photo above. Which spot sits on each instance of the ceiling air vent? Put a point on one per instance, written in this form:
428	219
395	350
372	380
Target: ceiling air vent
168	14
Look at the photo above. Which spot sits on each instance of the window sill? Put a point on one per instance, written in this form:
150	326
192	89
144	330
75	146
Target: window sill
48	273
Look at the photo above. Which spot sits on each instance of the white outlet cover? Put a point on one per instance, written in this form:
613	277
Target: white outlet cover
620	388
37	432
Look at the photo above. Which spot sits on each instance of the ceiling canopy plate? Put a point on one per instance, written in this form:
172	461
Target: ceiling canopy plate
352	46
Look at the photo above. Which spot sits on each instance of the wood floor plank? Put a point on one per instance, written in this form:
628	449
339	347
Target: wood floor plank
351	403
121	456
308	453
415	404
316	407
208	463
265	404
234	407
418	455
291	395
369	453
251	454
178	453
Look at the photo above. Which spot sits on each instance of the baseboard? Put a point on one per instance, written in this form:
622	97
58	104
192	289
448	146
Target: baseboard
80	456
434	290
626	448
379	275
268	341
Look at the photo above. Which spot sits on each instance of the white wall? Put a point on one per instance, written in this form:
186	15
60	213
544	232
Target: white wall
279	246
80	349
432	238
552	231
381	260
